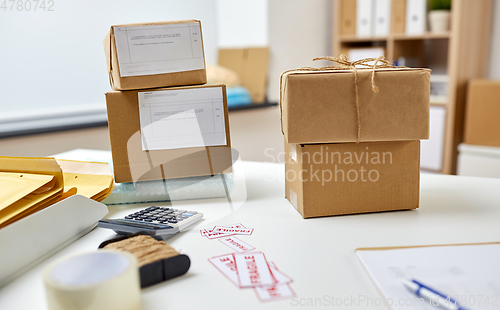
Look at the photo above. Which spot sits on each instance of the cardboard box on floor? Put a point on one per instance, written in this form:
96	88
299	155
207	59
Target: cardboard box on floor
130	160
482	120
320	106
251	64
177	77
350	178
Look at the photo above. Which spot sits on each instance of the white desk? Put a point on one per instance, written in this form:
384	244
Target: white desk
317	253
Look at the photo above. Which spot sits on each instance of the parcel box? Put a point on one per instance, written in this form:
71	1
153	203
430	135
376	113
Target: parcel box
482	121
160	54
251	65
349	178
169	133
320	106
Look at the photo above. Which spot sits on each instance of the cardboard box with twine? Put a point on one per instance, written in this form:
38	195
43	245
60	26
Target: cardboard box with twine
344	105
352	136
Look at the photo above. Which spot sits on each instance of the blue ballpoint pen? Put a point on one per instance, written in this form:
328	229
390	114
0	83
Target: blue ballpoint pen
421	290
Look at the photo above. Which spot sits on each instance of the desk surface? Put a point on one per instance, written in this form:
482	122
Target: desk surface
317	253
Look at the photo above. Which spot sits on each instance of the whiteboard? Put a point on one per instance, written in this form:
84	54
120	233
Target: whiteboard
53	63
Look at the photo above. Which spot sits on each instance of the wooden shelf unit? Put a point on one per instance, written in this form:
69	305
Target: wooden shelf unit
393	37
464	53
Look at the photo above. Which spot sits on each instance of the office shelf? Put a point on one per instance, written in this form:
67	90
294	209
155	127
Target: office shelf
462	51
253	106
396	37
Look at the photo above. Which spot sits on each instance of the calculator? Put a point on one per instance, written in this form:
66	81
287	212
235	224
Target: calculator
155	221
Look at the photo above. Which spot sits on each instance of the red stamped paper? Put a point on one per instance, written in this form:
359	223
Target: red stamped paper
275	292
236	244
235	231
210	234
253	270
278	275
225	264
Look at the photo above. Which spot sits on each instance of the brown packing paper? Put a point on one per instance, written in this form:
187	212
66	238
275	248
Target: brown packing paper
482	125
251	65
117	82
131	163
380	176
320	106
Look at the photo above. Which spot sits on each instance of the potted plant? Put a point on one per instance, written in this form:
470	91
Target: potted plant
439	15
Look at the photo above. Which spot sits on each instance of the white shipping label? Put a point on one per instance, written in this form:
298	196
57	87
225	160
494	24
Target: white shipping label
157	49
182	118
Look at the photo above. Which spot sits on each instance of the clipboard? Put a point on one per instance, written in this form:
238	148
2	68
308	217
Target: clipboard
465	272
420	246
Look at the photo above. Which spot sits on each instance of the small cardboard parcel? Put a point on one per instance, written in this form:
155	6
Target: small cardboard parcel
320	106
151	55
349	178
169	133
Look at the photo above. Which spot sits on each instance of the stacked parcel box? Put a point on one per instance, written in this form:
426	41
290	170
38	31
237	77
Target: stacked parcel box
163	123
352	138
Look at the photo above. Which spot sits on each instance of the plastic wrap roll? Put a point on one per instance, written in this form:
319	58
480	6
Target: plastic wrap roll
99	280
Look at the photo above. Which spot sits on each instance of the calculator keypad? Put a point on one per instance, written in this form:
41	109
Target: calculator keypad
162	215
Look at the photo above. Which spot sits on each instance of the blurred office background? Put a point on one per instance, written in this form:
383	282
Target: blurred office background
53	75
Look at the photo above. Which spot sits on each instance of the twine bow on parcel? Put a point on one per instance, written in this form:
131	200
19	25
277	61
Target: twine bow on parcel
344	64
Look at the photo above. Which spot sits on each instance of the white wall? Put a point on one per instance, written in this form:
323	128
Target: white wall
299	30
494	69
242	23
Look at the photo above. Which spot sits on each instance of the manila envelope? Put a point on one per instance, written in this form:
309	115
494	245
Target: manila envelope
19	185
93	180
34	201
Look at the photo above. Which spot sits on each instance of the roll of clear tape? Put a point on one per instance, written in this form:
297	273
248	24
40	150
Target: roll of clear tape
99	280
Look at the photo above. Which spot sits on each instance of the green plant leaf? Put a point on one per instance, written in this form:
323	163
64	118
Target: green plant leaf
440	5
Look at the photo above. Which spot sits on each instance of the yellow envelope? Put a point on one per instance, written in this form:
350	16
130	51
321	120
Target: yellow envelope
33	201
18	185
91	179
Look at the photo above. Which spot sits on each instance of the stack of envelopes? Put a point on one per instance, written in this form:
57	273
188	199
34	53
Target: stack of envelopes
30	184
